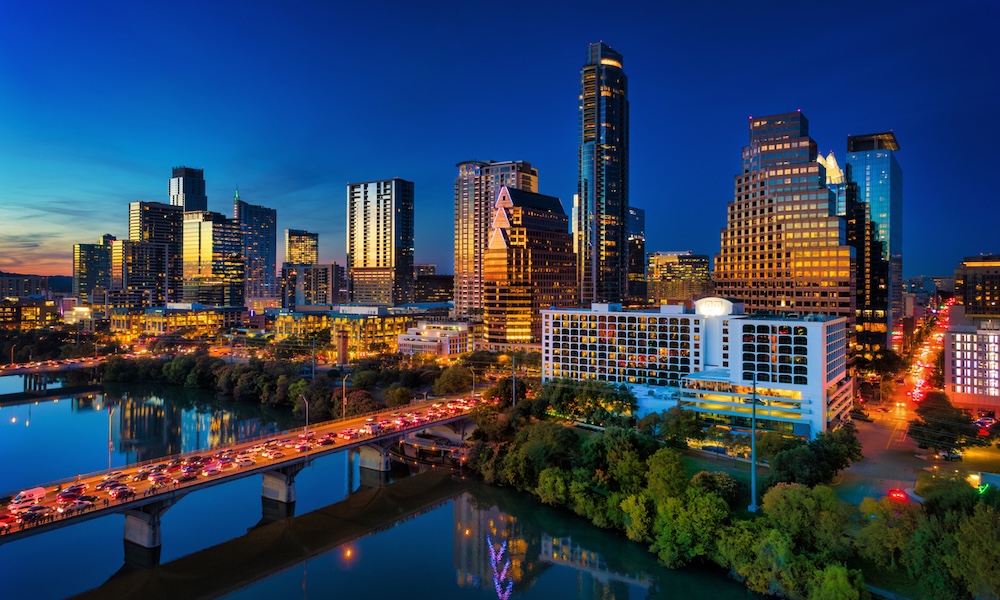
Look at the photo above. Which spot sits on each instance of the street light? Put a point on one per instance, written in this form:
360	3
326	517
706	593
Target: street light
344	397
473	381
307	413
12	353
753	448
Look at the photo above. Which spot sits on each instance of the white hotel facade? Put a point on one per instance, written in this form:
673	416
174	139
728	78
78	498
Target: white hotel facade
711	360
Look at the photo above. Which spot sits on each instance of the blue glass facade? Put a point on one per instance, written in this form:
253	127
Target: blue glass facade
873	166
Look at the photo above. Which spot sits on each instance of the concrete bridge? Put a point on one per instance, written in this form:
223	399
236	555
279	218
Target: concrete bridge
144	510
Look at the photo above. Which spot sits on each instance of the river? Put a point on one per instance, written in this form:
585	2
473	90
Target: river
432	535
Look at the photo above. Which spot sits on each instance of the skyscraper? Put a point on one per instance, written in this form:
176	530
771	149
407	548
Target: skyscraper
528	266
871	304
91	268
637	284
784	249
139	269
259	227
380	242
600	225
476	189
187	189
159	223
873	165
678	276
309	285
301	247
213	259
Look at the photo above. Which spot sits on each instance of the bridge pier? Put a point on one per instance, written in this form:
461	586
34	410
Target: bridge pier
143	538
279	484
36	382
375	456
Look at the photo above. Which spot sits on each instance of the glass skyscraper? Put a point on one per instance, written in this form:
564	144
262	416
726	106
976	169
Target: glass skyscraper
91	268
873	165
600	224
187	189
259	226
380	242
213	259
159	223
476	189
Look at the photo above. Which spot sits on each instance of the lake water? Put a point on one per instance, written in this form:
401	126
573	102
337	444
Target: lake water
433	535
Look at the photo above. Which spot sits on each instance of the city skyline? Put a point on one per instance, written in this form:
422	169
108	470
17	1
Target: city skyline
100	105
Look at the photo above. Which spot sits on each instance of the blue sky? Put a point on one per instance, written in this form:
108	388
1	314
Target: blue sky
291	101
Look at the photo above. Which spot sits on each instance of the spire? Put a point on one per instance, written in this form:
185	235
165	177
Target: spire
237	198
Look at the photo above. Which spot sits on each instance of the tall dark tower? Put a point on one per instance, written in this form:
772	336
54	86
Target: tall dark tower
187	189
600	212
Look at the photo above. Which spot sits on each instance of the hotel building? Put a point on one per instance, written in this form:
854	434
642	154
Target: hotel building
301	247
440	339
711	360
380	242
972	345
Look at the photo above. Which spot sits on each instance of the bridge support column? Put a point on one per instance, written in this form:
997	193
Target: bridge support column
375	456
142	533
279	484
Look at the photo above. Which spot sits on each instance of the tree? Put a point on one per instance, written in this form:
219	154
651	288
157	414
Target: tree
398	395
666	476
940	425
453	379
770	443
639	513
553	486
978	543
365	380
929	554
888	525
814	518
836	582
721	484
675	426
686	527
502	390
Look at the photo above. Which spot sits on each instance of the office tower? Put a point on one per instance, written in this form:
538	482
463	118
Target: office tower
434	288
159	223
187	189
637	285
213	259
309	285
600	226
677	277
873	165
871	305
139	269
380	242
528	266
91	268
423	270
259	227
301	247
476	189
784	249
972	345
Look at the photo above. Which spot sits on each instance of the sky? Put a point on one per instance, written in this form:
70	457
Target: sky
292	101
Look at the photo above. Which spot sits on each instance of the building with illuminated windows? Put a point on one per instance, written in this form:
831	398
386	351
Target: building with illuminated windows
784	248
368	330
872	164
675	277
214	266
637	277
972	345
711	360
187	189
528	265
380	242
259	228
301	247
476	189
139	269
437	338
91	268
601	205
159	223
309	284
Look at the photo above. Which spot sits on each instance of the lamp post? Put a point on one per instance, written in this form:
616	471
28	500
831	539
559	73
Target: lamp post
344	397
12	353
753	448
306	401
473	381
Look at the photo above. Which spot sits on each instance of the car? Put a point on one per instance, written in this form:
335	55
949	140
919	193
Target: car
245	462
7	521
210	471
77	488
303	448
65	497
949	455
898	495
185	477
75	506
87	498
113	475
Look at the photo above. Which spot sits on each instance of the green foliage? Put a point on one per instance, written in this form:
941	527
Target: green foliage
770	443
888	525
398	395
818	461
639	511
978	555
929	555
666	476
815	520
686	527
453	379
836	582
365	380
941	425
721	484
673	426
553	486
502	389
594	402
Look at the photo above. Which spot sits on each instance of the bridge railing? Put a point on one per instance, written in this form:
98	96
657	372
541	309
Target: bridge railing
59	483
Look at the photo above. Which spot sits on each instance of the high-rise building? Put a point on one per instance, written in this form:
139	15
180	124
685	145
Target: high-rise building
301	247
309	285
873	165
380	242
871	304
600	225
159	223
676	277
91	268
187	189
637	282
213	259
139	269
528	266
259	226
476	189
972	346
422	270
977	286
784	249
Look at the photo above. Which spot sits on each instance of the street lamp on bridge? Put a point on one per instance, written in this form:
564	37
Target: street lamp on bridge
344	398
306	401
